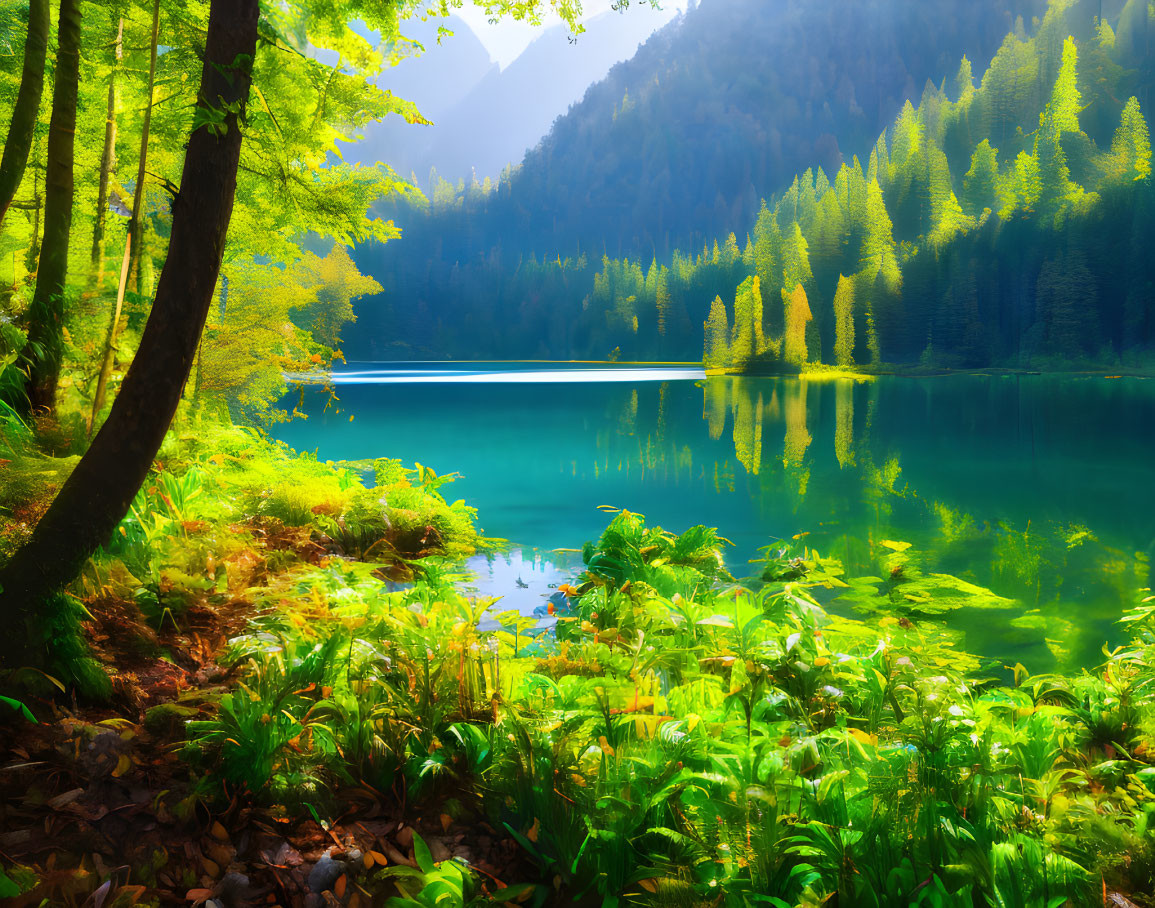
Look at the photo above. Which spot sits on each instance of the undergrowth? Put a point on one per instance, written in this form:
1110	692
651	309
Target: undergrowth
680	737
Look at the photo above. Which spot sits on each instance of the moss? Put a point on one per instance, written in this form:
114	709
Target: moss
167	718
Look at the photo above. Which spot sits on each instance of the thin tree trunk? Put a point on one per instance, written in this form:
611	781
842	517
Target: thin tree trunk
135	230
23	126
46	312
98	493
110	340
107	162
32	256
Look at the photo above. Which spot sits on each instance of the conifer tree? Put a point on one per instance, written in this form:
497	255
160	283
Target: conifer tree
798	315
877	258
981	183
1130	157
844	322
716	352
747	341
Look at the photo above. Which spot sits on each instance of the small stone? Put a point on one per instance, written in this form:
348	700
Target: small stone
324	874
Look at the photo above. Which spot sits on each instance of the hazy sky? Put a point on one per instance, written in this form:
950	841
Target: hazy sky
507	39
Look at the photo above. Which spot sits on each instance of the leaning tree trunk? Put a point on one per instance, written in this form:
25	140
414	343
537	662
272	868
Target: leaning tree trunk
23	125
107	161
46	312
135	231
98	493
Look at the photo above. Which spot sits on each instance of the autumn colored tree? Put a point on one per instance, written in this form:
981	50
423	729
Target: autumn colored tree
798	316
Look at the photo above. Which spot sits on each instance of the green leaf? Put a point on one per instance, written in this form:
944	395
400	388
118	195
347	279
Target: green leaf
422	855
20	708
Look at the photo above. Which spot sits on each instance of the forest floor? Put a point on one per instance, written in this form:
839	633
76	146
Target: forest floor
96	793
93	793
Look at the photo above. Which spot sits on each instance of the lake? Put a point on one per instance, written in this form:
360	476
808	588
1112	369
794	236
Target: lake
1018	509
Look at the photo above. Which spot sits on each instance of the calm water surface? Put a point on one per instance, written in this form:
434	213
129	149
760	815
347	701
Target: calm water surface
1039	489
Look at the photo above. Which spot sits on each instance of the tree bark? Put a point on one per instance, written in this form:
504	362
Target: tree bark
46	312
23	126
107	161
98	493
135	231
109	354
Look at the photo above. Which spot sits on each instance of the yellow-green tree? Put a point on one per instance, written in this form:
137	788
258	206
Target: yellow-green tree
1130	156
844	322
798	315
981	183
716	352
747	341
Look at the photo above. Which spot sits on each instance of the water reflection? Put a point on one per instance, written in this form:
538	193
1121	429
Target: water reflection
1034	494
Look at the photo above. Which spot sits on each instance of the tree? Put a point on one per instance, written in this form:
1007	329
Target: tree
334	282
798	315
97	494
107	159
747	341
135	225
964	83
99	491
844	322
877	256
1130	157
716	351
981	183
1062	113
795	261
22	127
46	312
1020	188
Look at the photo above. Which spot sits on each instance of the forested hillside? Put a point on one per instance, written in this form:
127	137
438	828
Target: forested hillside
991	201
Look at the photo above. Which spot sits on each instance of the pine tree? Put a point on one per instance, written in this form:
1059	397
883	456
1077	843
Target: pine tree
965	84
844	322
981	183
798	315
1020	188
795	260
747	341
662	301
730	252
716	351
1130	156
877	256
1063	109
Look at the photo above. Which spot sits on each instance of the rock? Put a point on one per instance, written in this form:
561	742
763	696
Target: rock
232	891
325	873
437	850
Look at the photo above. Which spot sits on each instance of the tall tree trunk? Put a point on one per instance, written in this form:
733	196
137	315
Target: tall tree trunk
46	312
32	256
107	161
109	355
98	493
135	226
23	125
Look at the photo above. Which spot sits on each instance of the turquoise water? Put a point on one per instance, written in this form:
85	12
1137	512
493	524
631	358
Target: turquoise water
1038	490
